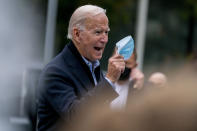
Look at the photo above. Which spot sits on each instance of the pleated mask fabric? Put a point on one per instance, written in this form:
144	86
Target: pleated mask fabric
125	47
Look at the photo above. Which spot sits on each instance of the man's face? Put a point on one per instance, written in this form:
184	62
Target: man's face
131	62
92	40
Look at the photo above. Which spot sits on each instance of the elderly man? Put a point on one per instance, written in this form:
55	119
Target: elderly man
74	75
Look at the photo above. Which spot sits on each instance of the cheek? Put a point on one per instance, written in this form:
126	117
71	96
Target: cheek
84	37
89	49
87	39
107	38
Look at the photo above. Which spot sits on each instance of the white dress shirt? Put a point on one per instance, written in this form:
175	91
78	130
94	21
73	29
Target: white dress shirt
120	102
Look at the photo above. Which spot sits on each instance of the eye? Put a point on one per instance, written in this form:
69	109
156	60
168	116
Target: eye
97	32
106	32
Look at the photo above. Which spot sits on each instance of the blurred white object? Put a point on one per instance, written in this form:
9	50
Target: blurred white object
158	79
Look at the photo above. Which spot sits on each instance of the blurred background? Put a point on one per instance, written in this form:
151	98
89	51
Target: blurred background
34	31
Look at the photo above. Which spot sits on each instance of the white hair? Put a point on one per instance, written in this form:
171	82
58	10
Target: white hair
80	15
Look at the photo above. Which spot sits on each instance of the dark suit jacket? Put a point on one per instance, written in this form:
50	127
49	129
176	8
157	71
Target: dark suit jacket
64	84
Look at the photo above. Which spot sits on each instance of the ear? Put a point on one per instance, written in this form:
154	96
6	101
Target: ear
76	34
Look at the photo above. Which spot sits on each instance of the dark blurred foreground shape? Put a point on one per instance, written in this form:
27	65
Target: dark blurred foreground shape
164	109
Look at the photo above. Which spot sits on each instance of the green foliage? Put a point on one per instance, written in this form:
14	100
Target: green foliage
65	9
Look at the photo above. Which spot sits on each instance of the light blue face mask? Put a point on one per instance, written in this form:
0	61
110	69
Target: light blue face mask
125	47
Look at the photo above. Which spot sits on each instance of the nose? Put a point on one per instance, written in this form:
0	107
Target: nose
104	38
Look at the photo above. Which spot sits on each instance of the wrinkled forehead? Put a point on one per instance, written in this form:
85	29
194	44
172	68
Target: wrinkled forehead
97	21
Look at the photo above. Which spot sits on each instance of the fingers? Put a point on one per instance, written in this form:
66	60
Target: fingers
117	61
138	78
116	54
116	66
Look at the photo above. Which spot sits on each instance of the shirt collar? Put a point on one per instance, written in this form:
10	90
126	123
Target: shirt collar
91	65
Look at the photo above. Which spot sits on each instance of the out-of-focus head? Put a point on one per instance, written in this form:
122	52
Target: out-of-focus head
88	29
159	110
168	109
158	79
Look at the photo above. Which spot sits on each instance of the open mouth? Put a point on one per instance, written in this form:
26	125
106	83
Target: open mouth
98	48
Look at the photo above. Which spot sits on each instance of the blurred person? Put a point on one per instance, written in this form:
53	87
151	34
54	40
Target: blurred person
168	109
130	81
74	76
157	79
96	118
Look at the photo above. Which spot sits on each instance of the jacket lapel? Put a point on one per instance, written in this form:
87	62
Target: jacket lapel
78	67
